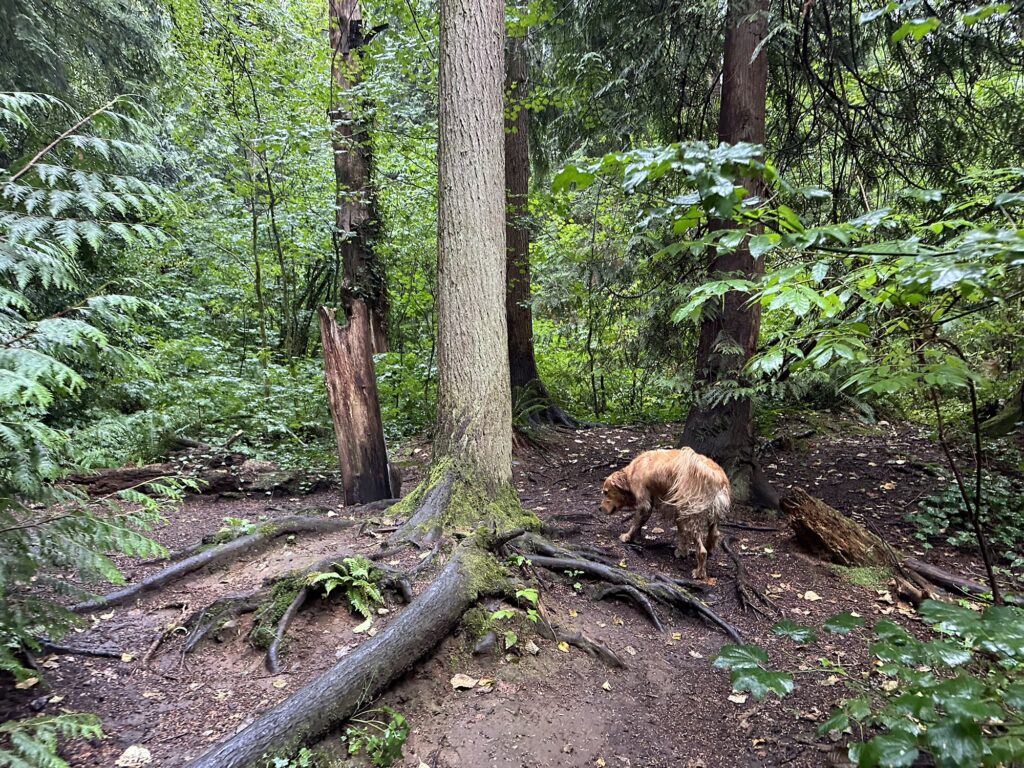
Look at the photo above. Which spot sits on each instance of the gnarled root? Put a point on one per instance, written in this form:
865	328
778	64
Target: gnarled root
664	590
750	597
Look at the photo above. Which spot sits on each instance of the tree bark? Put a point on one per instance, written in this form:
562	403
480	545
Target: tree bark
1009	419
729	331
355	408
474	401
356	220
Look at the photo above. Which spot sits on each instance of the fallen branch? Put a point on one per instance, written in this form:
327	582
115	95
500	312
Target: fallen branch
957	585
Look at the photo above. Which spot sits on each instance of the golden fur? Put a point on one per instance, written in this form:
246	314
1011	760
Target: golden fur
694	487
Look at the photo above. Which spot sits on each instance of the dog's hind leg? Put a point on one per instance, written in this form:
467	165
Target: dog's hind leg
701	571
640	518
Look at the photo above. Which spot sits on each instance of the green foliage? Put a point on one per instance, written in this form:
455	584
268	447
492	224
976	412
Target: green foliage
749	671
72	205
357	579
943	516
32	742
958	698
379	739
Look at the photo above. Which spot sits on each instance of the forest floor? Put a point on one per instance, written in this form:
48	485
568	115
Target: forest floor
670	707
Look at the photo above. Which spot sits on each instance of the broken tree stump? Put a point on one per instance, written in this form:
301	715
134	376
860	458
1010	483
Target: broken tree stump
831	534
355	407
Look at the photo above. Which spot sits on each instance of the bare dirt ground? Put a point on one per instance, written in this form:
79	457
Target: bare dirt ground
670	707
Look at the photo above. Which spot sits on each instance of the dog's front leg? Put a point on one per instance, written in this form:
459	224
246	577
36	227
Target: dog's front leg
640	518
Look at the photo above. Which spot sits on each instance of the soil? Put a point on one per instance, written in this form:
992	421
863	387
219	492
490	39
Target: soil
670	707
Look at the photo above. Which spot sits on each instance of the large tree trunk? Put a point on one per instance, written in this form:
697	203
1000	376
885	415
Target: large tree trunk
528	391
355	209
1008	419
470	484
355	408
473	397
729	330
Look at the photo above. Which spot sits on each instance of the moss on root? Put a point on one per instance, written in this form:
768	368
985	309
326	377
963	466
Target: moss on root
471	502
269	614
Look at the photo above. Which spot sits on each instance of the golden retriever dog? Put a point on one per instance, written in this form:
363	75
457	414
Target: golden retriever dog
695	489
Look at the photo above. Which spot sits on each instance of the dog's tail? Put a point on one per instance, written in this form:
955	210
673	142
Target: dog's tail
701	487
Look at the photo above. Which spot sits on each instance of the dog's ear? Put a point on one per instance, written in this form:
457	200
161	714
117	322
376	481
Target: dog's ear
619	480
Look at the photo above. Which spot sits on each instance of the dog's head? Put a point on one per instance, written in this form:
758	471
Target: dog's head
616	493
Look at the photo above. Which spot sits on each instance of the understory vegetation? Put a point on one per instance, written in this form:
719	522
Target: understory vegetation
171	224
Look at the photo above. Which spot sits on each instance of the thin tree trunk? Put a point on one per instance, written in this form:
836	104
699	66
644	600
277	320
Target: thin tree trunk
729	332
355	409
355	207
528	391
473	399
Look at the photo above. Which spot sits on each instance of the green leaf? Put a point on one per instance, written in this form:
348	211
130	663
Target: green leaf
955	743
890	750
796	632
761	244
916	27
842	623
511	638
572	177
839	721
741	657
760	682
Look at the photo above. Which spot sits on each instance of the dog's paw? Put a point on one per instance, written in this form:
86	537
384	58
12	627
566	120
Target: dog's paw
699	575
625	538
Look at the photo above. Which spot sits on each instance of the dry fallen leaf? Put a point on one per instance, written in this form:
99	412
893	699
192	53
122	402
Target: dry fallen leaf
606	685
677	636
28	682
463	681
280	683
811	596
106	616
363	627
573	613
697	655
631	650
126	657
616	620
563	647
600	763
738	698
622	563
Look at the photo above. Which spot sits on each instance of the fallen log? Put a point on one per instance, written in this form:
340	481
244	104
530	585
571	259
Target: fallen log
830	534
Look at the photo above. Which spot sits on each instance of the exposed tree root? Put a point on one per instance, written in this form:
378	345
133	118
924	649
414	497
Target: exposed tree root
750	597
222	553
355	680
636	597
49	646
273	662
423	528
660	588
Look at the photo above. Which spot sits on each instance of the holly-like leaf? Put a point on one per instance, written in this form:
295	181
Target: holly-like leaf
842	623
741	657
955	743
760	682
795	632
890	750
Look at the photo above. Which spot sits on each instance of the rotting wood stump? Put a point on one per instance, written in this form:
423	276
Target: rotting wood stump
829	533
